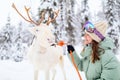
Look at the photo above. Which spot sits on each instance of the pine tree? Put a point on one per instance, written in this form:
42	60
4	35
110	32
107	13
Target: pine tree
111	13
7	33
82	15
117	14
70	28
61	22
85	11
18	51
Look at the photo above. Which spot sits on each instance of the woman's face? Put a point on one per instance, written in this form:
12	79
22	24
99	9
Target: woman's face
88	39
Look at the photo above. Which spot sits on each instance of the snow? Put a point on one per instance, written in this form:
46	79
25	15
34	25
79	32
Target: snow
24	71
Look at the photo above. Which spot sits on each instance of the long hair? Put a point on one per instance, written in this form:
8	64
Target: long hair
95	53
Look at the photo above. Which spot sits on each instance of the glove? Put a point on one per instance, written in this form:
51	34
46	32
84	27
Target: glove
70	48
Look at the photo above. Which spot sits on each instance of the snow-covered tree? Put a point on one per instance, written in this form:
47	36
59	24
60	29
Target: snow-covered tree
79	17
18	44
111	11
14	41
85	14
7	34
69	14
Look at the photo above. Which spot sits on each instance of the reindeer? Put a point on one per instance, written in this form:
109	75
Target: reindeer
42	54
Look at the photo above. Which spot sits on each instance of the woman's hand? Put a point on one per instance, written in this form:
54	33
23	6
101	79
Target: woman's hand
70	48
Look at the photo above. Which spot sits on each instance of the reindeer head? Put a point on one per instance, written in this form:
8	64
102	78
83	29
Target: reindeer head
42	30
44	35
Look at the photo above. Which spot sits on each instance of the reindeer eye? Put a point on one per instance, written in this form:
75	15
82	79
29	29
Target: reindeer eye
48	39
37	30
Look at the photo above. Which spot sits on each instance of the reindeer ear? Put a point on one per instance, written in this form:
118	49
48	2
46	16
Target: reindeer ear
34	30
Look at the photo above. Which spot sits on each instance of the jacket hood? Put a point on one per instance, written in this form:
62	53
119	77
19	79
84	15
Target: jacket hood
107	43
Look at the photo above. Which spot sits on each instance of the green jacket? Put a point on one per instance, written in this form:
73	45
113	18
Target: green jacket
107	68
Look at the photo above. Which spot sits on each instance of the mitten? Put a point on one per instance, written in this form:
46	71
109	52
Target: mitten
70	48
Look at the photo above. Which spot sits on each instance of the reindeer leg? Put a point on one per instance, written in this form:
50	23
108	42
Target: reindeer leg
62	67
35	74
54	72
47	74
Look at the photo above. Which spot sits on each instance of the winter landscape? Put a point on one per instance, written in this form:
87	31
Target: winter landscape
15	38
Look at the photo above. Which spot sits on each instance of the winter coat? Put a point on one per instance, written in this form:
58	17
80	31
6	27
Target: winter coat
107	68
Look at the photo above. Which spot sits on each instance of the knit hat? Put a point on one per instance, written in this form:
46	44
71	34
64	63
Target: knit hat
101	27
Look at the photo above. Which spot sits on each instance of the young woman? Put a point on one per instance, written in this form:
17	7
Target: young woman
99	61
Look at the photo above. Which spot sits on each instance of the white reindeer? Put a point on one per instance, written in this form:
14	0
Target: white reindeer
41	53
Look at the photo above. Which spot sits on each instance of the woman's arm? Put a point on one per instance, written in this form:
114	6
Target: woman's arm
84	53
78	61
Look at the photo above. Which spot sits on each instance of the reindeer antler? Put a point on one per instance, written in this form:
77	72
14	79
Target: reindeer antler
13	5
51	20
30	19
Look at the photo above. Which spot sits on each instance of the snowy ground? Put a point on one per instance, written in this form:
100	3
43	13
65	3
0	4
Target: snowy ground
10	70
